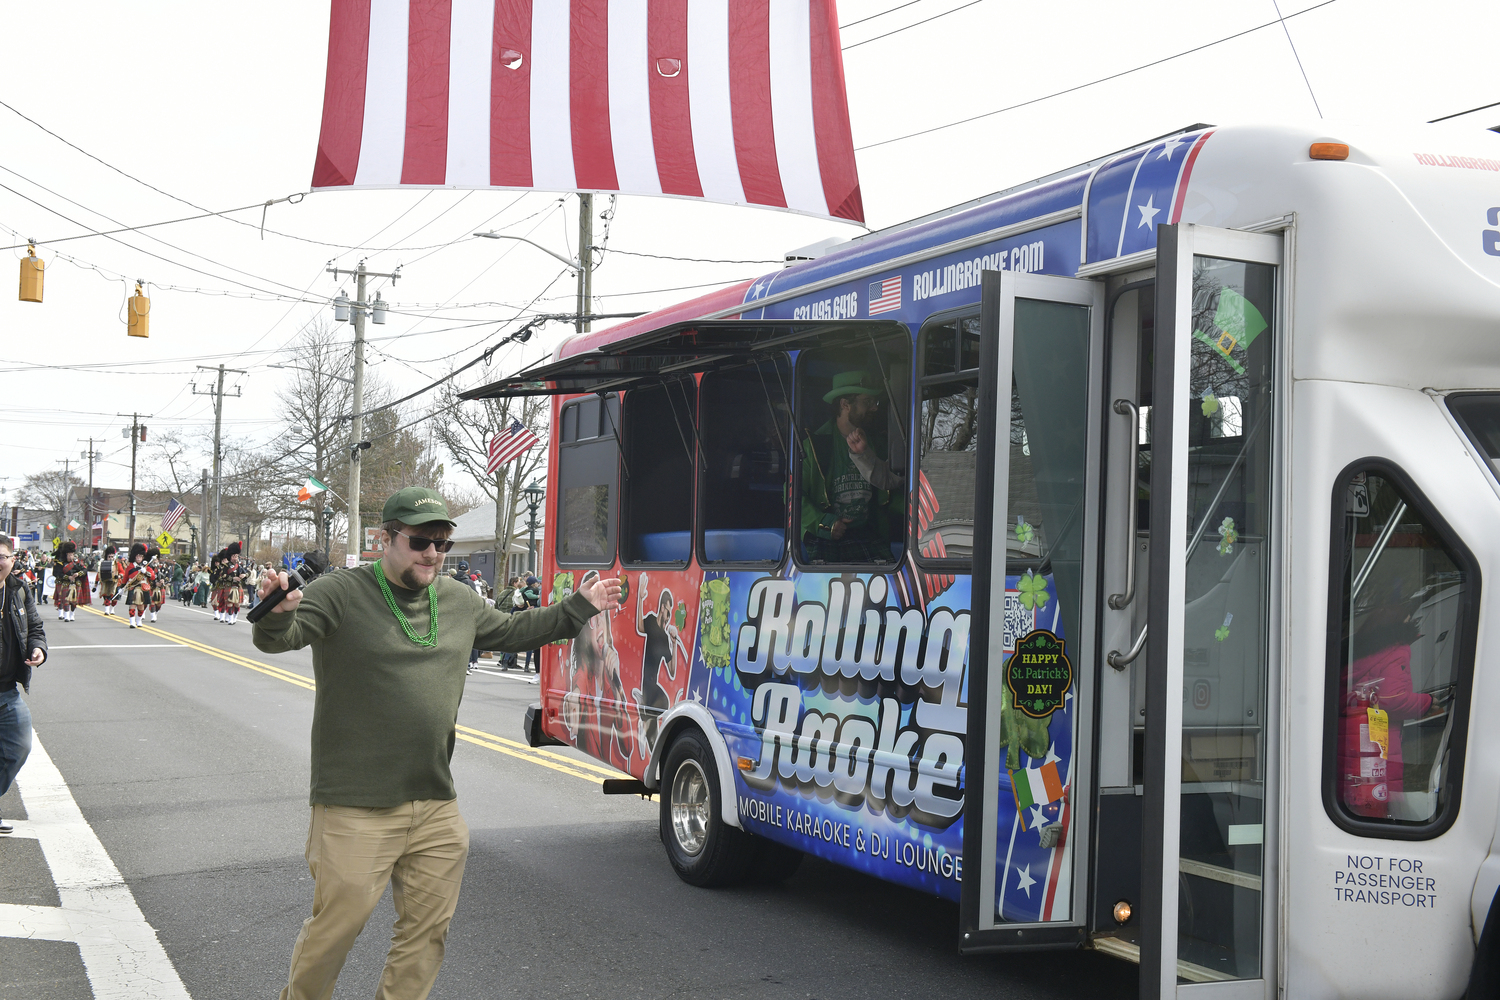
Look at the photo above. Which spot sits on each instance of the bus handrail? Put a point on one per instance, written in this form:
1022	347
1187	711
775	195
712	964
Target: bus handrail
1117	602
1120	660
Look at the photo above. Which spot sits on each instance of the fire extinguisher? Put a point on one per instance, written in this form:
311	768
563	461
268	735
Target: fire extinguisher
1366	738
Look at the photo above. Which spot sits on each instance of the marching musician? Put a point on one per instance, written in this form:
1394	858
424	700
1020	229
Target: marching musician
139	582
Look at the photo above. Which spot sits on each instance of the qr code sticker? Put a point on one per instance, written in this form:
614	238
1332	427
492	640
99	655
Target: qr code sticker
1019	620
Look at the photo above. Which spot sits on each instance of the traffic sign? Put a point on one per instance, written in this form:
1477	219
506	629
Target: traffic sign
165	540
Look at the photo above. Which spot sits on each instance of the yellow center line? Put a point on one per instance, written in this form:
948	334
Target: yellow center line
545	758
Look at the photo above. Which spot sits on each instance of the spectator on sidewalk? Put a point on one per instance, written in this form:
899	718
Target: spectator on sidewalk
23	647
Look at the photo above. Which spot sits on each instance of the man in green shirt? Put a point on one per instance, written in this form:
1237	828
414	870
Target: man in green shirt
390	648
851	500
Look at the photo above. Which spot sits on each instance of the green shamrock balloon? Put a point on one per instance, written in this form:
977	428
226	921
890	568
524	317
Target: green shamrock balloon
1024	531
1033	591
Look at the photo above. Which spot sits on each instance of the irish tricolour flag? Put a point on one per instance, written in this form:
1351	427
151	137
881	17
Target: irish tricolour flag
1035	786
310	489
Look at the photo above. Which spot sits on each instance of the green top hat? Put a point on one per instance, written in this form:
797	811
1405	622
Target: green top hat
416	505
849	384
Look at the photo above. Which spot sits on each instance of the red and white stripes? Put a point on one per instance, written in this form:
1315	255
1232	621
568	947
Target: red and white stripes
737	101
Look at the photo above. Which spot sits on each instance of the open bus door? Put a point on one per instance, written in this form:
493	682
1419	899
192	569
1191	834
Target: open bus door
1183	734
1029	767
1208	905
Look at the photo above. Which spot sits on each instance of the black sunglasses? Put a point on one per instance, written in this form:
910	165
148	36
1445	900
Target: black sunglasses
419	543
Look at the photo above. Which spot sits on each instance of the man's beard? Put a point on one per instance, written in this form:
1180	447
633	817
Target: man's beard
410	580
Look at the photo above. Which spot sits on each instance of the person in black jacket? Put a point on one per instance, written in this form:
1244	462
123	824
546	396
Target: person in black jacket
23	646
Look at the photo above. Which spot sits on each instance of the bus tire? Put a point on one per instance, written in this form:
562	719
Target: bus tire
703	849
774	863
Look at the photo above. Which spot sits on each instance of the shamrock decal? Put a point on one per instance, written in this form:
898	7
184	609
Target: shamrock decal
1210	405
1222	632
1227	536
1033	591
1024	531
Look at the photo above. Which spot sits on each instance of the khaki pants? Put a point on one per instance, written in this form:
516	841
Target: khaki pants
352	852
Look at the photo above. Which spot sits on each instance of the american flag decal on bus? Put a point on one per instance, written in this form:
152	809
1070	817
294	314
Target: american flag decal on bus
885	296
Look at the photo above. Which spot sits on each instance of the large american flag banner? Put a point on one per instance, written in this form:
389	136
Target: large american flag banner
737	101
510	445
173	514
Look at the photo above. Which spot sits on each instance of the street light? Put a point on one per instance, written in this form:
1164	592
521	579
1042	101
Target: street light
575	265
315	372
534	494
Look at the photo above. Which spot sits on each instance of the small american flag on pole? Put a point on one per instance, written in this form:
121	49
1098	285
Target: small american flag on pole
510	445
173	514
885	296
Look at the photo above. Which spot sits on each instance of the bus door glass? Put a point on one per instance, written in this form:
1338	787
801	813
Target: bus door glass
1029	785
1207	906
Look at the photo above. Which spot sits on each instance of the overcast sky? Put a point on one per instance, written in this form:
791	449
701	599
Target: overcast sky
220	105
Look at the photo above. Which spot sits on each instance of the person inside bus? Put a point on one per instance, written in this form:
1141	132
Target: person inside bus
851	500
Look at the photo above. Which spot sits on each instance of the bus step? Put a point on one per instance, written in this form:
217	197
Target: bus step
626	786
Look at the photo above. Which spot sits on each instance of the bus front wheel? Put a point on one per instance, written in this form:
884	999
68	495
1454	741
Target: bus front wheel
703	849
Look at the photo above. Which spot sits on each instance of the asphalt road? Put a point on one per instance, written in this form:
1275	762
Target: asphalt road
191	765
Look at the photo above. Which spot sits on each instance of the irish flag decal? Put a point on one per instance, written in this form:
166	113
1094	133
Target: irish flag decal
1035	786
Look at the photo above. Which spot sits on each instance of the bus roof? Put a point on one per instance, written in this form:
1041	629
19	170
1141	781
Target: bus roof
1396	231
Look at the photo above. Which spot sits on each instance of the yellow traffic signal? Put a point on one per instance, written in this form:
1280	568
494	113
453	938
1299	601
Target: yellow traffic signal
32	267
138	313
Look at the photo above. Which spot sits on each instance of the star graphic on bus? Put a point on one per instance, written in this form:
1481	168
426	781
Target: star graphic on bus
1026	881
1169	147
1148	212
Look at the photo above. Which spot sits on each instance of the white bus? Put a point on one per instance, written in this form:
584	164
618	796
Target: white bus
1159	628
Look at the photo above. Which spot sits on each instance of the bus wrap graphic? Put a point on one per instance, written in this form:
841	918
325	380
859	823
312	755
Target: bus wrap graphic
852	708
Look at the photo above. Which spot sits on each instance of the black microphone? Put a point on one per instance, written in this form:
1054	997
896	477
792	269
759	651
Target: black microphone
313	563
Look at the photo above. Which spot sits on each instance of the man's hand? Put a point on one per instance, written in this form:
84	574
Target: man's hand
856	441
36	658
270	581
838	528
603	594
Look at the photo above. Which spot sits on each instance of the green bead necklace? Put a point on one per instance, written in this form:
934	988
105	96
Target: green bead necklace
430	639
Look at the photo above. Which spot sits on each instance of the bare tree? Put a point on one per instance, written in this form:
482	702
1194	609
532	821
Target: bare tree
168	463
465	431
52	490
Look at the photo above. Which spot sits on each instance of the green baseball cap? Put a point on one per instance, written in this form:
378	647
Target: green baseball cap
416	505
849	384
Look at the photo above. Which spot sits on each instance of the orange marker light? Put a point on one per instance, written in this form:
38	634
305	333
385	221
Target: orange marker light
1329	151
745	764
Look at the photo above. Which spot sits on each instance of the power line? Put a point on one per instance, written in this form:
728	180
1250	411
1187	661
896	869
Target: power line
892	10
1460	114
897	31
1091	83
691	260
1297	57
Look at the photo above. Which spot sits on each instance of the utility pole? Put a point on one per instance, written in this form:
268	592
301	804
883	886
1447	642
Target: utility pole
203	516
62	523
88	514
136	429
357	442
218	394
585	261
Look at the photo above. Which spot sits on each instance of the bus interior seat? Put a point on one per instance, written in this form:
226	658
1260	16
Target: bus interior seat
744	545
664	546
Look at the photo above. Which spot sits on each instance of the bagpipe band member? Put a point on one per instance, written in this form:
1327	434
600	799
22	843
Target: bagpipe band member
66	567
234	583
138	584
108	584
160	570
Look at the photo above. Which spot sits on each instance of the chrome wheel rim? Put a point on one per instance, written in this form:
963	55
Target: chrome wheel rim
690	807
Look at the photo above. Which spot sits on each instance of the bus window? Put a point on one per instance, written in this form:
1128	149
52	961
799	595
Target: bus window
587	471
746	420
1401	654
660	431
947	441
852	444
1479	415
